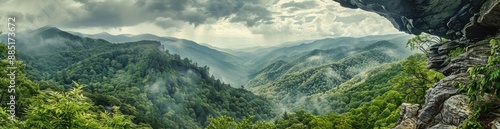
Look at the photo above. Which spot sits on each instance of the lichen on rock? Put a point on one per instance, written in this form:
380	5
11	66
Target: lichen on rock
408	116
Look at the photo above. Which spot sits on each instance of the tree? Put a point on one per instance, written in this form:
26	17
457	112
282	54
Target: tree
23	89
423	42
223	122
116	119
6	123
415	79
55	110
263	125
60	110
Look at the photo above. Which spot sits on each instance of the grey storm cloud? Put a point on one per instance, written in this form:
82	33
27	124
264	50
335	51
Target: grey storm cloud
119	13
164	5
195	12
251	15
271	20
168	23
106	14
224	8
351	19
300	5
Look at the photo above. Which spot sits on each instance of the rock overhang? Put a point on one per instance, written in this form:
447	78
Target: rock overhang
451	19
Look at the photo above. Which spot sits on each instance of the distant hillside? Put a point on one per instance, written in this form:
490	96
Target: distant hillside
157	88
266	56
291	79
223	66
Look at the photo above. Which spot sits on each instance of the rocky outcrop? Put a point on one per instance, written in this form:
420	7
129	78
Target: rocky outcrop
408	119
435	97
441	126
444	107
453	113
439	59
438	56
452	19
469	24
455	110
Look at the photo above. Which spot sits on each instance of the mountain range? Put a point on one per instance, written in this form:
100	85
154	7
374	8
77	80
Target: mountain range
147	82
181	81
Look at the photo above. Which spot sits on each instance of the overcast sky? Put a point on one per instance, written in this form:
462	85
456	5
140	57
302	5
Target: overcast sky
220	23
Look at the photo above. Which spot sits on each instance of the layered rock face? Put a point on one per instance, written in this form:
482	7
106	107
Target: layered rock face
451	19
444	107
470	24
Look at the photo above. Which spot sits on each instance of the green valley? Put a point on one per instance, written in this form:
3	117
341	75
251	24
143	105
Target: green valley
140	84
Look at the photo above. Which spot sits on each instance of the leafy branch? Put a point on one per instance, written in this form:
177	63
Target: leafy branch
423	42
484	79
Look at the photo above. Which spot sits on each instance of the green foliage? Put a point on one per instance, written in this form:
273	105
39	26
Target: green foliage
376	84
263	125
294	83
415	79
5	122
409	77
47	109
382	112
223	122
299	120
456	52
71	109
60	110
378	98
153	87
423	42
24	88
471	124
226	122
484	79
137	85
116	119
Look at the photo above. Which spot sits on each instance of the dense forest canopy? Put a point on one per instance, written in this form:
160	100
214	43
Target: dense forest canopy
141	85
144	82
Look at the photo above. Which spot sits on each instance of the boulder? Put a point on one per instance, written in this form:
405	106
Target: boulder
408	116
441	126
455	110
444	106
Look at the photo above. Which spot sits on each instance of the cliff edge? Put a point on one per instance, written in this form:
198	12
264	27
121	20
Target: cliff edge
470	24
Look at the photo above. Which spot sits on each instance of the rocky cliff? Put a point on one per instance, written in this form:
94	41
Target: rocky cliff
452	19
470	24
443	106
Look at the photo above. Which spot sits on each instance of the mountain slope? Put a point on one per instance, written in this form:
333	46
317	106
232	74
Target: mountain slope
156	87
224	66
366	101
266	56
319	71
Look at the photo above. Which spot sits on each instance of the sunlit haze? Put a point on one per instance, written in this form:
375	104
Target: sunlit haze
224	24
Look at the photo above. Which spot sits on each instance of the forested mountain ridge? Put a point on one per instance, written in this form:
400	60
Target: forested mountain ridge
157	88
266	56
171	92
290	83
365	102
67	80
226	67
